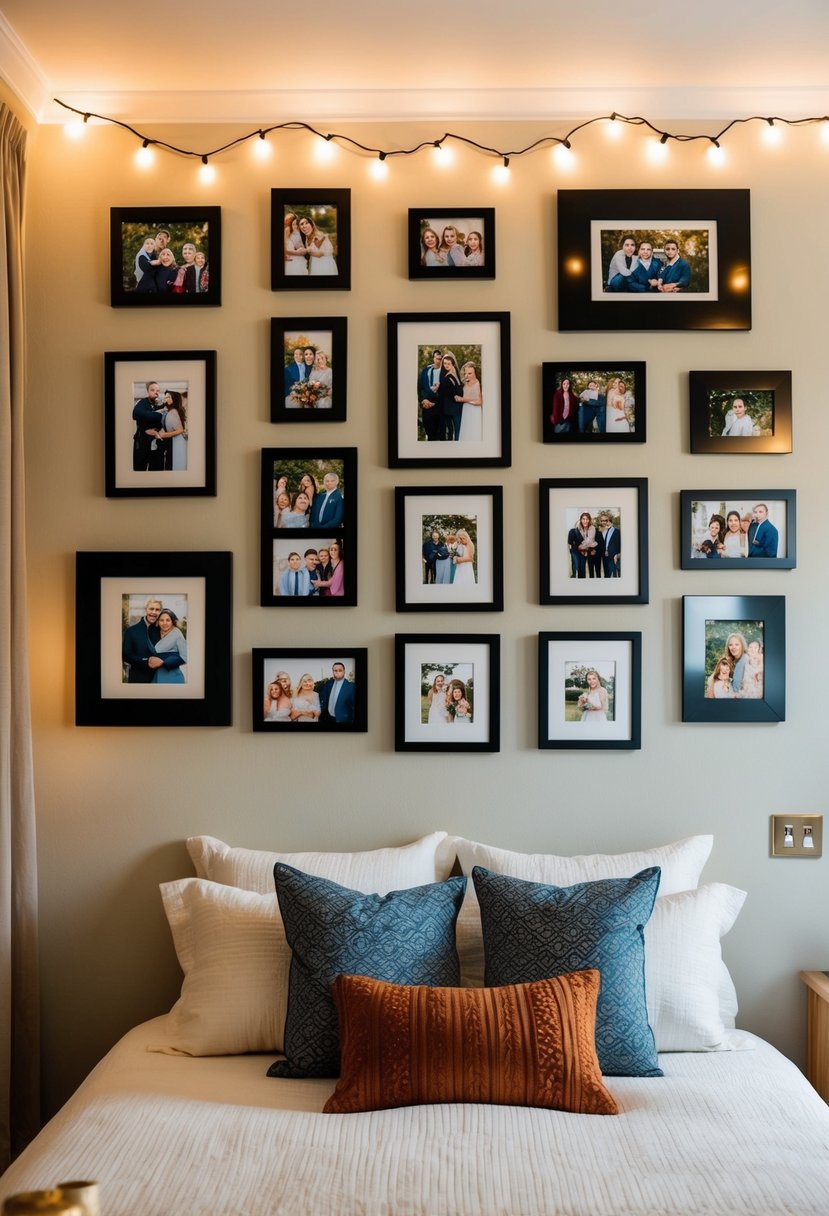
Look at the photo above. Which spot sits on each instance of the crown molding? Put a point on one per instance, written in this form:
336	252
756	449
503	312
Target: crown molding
22	73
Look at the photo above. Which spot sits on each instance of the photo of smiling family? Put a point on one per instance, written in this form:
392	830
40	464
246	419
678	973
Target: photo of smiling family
738	529
154	648
310	239
658	261
165	257
309	690
452	243
585	402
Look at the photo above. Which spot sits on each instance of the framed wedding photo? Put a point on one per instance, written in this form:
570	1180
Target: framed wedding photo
160	423
310	240
449	544
734	658
153	639
738	529
593	402
165	257
447	692
452	243
309	369
594	540
309	690
741	413
449	390
654	259
589	690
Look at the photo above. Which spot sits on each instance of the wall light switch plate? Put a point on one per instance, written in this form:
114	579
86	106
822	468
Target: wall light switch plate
796	835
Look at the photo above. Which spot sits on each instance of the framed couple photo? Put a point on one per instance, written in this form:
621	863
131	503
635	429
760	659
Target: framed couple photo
309	690
309	369
738	529
165	257
595	402
310	240
734	658
741	413
447	692
590	690
452	243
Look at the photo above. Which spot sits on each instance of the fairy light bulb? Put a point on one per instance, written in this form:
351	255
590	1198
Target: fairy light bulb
207	173
262	149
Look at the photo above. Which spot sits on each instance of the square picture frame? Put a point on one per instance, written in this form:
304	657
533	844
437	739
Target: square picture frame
282	702
710	538
751	687
598	402
464	719
764	424
144	391
590	690
118	639
311	239
143	275
328	478
480	428
304	390
712	232
461	570
606	563
454	243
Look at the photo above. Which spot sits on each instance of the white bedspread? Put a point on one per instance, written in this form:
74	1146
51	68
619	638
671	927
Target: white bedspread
721	1133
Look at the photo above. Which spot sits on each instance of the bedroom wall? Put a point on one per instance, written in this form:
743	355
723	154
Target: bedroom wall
115	805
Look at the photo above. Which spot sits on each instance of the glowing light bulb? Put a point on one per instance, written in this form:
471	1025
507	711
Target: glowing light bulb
379	170
613	129
772	135
262	150
563	158
324	150
501	175
207	173
145	156
716	155
442	157
657	151
75	129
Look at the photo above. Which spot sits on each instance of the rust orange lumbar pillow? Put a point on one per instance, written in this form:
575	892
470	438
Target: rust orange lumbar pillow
518	1045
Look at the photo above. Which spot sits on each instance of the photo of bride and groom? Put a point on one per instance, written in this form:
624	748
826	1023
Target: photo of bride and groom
154	639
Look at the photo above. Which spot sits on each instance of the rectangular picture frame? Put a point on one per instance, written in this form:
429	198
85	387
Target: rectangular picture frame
590	691
454	243
712	229
472	661
309	392
710	540
311	230
593	402
279	676
145	277
118	639
717	627
763	426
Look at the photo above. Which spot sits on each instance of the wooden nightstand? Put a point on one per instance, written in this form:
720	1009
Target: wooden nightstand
817	1032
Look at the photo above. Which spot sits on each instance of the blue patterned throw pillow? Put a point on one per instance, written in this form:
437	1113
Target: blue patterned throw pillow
405	937
533	931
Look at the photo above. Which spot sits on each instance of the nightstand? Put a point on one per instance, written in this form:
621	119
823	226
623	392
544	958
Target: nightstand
817	1032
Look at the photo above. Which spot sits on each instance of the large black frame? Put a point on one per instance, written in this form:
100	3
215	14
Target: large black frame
207	219
701	387
325	723
552	377
338	328
632	739
697	609
437	740
458	273
310	199
686	552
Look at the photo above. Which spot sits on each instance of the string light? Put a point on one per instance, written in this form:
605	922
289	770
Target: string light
261	148
772	135
378	169
563	157
207	173
657	150
144	156
716	153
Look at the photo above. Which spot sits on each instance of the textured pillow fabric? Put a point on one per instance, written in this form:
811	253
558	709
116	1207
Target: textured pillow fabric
533	931
520	1045
405	937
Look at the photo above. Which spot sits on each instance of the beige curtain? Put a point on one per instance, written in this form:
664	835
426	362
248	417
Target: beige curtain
19	1000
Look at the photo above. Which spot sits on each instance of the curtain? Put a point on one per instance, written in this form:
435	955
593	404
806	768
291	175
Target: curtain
19	995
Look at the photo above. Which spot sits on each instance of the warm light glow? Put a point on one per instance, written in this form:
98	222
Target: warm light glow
824	132
76	129
574	267
563	158
379	170
613	129
772	135
656	151
442	157
144	158
207	174
500	175
716	155
324	150
262	149
738	280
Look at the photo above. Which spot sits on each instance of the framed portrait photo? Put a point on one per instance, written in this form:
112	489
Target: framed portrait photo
309	369
594	540
165	257
589	690
452	243
449	543
447	692
308	527
654	259
311	240
449	390
741	413
595	402
738	529
734	658
153	639
309	689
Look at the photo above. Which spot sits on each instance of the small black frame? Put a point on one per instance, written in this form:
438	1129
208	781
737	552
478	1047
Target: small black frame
768	400
708	622
130	227
328	400
309	717
471	661
592	420
775	530
329	214
464	259
565	716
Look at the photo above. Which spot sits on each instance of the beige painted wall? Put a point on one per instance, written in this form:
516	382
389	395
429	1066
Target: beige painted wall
115	804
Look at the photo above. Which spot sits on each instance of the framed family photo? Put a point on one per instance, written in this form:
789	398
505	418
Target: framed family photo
309	689
159	423
165	257
449	390
447	692
153	639
449	545
654	259
452	243
308	527
310	240
594	540
595	402
741	413
309	369
589	690
734	658
738	529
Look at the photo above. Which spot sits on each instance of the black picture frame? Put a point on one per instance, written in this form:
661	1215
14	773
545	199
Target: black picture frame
565	577
698	507
601	424
768	403
478	257
717	220
197	225
704	618
476	659
480	338
338	526
317	205
113	588
564	690
323	335
192	375
426	585
318	662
